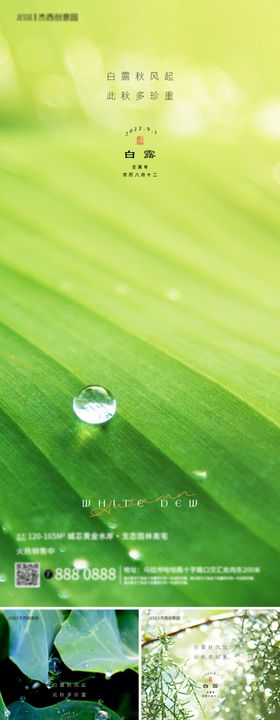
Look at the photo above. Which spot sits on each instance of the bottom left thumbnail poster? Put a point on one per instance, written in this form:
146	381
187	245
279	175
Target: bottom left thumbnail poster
79	664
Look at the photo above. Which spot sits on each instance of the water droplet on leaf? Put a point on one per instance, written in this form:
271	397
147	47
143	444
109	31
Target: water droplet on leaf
80	564
202	474
55	666
173	294
94	405
134	554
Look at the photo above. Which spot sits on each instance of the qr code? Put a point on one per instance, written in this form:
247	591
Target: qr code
27	574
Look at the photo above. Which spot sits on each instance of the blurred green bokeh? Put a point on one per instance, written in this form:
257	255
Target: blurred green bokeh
224	55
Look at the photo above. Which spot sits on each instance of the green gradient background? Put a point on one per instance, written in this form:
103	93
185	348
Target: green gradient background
89	259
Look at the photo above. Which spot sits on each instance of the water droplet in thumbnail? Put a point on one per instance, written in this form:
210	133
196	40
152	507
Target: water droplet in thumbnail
108	674
55	665
94	405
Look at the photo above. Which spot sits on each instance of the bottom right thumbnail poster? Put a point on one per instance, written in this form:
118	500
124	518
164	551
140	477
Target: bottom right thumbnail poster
210	664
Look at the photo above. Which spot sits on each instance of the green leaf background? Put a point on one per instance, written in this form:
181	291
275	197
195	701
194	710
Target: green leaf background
88	262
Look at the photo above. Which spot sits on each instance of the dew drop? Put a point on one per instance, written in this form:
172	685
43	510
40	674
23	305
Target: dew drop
250	678
55	666
202	474
122	289
22	698
135	554
3	578
173	294
7	713
102	715
204	628
80	564
94	405
5	530
108	674
112	525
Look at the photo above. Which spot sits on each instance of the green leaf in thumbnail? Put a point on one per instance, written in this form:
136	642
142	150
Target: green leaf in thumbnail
128	626
90	640
4	712
32	633
66	710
